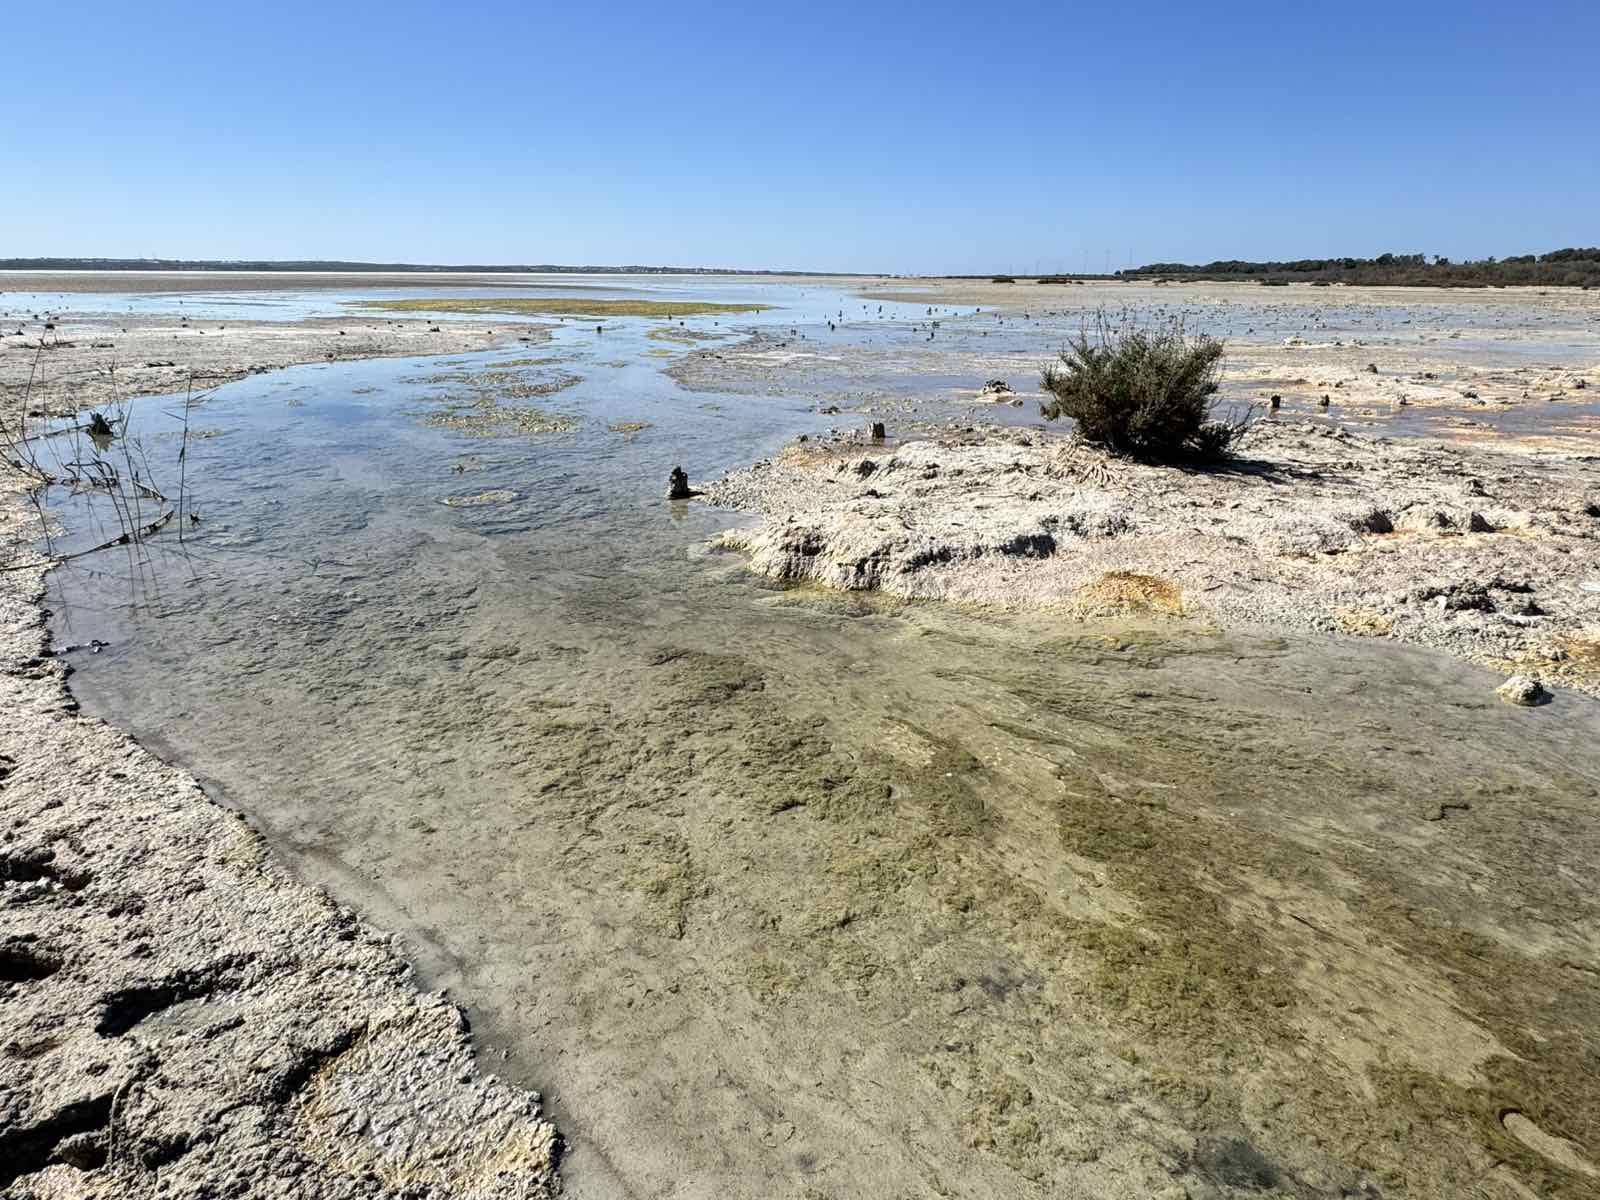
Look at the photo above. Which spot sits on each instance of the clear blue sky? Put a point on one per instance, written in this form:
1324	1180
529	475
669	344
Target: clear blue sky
910	137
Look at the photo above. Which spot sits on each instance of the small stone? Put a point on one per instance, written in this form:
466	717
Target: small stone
1557	1149
1371	520
1422	519
85	1151
1522	690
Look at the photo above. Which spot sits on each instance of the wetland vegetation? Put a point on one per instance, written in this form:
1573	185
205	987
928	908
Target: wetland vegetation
1144	390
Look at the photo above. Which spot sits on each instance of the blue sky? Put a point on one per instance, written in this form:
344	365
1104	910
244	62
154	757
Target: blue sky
922	137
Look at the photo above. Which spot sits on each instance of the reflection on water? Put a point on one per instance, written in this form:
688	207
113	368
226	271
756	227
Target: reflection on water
717	862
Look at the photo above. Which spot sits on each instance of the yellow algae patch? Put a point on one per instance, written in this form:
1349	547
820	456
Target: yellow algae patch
1582	647
1364	622
1569	660
1128	591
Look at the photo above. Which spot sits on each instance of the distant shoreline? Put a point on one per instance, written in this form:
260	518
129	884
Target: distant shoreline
42	281
1574	267
327	266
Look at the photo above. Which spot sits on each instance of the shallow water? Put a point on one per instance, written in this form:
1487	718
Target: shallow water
797	301
767	889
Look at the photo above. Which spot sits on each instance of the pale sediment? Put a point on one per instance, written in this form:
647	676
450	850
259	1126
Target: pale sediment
1490	554
87	361
179	1016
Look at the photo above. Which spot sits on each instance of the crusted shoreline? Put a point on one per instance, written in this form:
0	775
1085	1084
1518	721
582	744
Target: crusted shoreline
180	1015
1487	552
94	360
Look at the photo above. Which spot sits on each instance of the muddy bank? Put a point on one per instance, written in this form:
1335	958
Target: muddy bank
181	1016
87	360
1489	553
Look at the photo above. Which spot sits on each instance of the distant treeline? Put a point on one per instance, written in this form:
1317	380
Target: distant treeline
200	264
1573	267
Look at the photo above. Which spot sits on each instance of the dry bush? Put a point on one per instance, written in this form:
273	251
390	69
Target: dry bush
1142	391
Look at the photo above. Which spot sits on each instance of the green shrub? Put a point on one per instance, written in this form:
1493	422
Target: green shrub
1143	391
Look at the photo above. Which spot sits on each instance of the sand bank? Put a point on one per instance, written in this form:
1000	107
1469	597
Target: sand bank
1487	551
84	361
